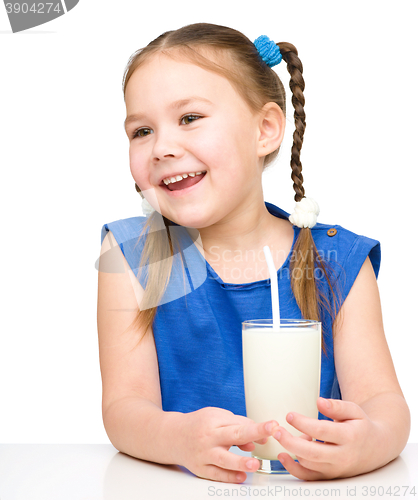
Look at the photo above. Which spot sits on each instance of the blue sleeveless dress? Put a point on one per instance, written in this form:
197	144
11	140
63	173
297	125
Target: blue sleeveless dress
197	328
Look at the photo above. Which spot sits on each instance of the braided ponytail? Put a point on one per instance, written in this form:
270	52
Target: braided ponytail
305	254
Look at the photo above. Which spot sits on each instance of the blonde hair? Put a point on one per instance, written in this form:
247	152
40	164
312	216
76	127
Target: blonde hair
237	59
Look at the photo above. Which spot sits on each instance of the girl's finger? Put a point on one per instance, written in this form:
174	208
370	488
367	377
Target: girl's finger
310	450
306	437
314	466
299	470
247	446
225	476
262	441
340	410
324	430
250	446
231	461
242	434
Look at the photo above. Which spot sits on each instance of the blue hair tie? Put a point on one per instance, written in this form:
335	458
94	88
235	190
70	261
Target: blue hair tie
268	50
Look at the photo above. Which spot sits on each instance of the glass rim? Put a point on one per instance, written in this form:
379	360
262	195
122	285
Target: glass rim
284	321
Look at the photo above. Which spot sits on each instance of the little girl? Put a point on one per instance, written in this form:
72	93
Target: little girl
205	117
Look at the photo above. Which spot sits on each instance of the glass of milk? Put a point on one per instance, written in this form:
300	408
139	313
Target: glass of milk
282	368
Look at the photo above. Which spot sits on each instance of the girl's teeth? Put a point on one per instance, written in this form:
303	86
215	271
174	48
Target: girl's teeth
180	177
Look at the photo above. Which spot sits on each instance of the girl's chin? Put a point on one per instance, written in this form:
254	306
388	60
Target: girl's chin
188	216
187	220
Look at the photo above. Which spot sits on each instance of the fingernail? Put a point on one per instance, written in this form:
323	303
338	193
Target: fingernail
269	426
290	417
249	464
278	435
326	402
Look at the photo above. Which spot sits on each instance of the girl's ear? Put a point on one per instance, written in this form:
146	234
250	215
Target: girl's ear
271	127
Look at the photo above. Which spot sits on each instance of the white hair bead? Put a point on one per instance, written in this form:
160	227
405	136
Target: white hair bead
305	213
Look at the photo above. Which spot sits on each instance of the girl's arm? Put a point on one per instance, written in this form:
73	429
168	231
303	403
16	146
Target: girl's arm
131	399
372	422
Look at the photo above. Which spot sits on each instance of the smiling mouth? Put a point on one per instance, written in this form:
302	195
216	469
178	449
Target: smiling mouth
185	183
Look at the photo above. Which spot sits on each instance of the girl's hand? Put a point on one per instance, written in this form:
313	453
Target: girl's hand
350	442
206	436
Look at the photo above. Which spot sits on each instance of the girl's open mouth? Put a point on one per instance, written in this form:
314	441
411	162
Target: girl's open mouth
184	186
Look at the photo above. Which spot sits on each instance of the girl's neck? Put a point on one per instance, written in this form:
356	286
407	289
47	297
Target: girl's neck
249	230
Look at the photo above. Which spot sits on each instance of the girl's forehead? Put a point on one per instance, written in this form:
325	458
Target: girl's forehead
164	66
164	75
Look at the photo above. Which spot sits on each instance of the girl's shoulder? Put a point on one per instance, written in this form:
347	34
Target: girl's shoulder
345	253
124	230
127	233
349	249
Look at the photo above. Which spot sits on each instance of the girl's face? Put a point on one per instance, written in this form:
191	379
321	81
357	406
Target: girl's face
183	119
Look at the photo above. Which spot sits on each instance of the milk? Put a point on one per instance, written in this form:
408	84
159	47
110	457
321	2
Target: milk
281	374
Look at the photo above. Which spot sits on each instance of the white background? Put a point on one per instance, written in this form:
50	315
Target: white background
65	172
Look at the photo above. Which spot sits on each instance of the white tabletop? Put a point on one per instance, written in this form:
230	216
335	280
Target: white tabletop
100	472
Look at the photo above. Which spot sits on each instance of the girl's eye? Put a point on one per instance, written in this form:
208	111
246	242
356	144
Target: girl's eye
142	132
189	119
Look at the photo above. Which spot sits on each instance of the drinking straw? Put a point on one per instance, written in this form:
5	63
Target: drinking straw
274	288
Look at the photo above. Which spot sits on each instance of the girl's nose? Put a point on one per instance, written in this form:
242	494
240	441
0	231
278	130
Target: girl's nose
166	147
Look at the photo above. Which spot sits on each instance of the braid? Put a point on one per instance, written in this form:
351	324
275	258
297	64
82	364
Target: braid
297	86
305	254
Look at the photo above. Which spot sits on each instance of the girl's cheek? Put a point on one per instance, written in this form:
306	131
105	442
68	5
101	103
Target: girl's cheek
138	166
213	152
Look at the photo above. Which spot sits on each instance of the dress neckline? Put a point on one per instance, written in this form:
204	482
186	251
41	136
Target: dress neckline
277	212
